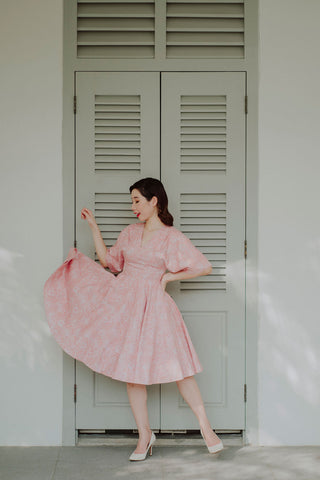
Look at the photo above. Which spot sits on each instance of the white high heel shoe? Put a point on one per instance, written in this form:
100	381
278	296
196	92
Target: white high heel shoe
214	448
142	456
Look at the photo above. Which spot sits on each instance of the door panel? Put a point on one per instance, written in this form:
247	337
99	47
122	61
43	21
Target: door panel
117	137
203	169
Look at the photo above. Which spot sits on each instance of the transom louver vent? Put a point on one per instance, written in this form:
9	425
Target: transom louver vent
117	133
205	29
115	29
112	213
203	220
203	133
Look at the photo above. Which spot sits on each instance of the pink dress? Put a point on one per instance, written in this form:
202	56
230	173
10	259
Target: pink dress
126	326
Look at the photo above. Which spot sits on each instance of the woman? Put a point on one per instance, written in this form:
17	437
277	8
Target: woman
127	326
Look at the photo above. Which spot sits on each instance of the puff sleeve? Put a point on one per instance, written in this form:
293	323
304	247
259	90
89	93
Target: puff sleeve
181	254
114	257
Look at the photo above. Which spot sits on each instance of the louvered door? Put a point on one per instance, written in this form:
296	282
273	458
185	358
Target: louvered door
115	29
205	29
159	29
117	136
203	168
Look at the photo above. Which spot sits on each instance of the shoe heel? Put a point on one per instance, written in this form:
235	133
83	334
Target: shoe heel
215	448
142	456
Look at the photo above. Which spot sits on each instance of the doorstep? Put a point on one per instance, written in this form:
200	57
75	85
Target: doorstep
164	438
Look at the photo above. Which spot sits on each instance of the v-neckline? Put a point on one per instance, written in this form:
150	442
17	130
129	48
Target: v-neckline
154	234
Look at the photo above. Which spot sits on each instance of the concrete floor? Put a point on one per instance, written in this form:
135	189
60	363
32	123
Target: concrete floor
167	462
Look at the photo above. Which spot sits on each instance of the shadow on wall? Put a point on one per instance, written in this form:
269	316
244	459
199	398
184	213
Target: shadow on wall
25	334
288	358
288	332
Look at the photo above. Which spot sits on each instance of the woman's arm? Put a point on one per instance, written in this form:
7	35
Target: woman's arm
183	274
101	249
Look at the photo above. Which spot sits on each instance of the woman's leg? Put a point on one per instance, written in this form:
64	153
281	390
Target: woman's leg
189	390
137	394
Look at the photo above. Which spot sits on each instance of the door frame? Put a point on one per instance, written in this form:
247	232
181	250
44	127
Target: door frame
249	65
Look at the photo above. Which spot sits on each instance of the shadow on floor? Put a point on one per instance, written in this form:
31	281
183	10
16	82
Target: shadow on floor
170	463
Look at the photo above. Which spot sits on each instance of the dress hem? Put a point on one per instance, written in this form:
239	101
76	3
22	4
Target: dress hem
133	381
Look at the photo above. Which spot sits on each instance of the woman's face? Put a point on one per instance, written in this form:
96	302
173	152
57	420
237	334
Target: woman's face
141	207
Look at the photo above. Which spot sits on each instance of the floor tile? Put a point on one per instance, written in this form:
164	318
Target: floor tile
183	462
28	463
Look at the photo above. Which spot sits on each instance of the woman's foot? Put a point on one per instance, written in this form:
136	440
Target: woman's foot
211	438
143	442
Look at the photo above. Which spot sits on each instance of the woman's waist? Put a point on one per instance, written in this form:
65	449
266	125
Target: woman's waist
148	271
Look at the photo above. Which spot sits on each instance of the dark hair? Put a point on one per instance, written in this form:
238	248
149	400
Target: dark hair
151	187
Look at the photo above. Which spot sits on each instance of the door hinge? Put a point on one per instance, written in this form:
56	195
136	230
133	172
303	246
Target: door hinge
245	249
246	104
245	392
75	393
75	104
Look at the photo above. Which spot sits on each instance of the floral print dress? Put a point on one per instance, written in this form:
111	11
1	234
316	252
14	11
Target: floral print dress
126	326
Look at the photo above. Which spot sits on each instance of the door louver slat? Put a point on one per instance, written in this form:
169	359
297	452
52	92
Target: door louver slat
203	133
117	133
115	29
205	29
203	219
112	214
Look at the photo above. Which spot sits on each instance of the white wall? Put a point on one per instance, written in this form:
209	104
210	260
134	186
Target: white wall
289	230
31	218
289	222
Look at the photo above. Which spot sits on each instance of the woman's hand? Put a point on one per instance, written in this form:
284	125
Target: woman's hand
86	214
165	279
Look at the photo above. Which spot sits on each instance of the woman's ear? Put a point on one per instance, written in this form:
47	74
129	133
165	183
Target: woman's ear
154	201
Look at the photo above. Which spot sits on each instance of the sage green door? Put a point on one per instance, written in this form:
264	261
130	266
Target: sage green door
187	129
203	168
117	138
